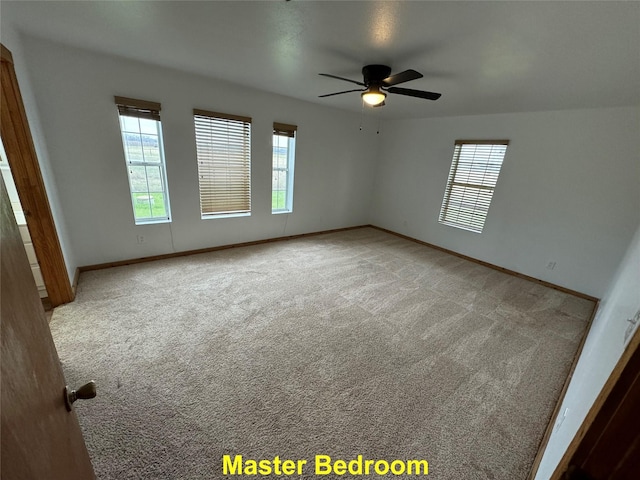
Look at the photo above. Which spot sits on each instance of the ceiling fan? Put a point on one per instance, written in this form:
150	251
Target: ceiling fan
377	81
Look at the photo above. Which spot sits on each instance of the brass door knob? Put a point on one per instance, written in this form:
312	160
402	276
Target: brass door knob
85	392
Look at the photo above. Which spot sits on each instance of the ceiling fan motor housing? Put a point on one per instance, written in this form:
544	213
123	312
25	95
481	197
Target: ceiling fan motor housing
375	74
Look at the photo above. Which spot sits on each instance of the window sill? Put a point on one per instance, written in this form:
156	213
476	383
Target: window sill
225	215
278	212
152	221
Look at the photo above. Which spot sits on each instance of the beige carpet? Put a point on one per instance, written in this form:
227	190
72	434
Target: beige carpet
344	344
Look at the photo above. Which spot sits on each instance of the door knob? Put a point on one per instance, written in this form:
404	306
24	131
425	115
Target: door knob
85	392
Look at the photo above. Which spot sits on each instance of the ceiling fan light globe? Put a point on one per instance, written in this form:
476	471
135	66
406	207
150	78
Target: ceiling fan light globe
374	98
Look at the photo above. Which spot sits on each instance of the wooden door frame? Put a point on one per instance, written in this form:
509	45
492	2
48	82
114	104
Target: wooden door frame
588	433
23	161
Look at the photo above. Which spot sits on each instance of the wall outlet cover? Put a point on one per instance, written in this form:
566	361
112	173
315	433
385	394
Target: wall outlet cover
633	323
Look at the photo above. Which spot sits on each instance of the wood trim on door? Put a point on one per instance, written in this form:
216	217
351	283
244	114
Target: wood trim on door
606	412
23	161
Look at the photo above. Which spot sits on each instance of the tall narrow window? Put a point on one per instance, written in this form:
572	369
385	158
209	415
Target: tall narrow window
284	151
223	148
472	179
144	155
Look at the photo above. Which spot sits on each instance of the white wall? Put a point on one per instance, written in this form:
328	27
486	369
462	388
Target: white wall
14	42
74	90
568	191
602	350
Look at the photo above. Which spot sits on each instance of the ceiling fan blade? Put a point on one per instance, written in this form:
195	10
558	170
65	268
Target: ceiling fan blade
401	77
340	93
415	93
341	78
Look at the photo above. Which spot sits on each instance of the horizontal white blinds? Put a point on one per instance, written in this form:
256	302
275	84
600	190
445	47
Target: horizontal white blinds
473	176
131	107
223	145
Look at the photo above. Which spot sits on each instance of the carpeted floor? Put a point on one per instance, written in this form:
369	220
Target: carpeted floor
343	344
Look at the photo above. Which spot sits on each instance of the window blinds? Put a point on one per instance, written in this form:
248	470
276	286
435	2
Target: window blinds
472	179
131	107
223	146
284	129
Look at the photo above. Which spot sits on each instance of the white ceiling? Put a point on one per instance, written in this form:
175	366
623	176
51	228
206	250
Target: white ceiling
484	57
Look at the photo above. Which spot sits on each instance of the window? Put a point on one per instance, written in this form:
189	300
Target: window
144	156
474	172
223	148
284	151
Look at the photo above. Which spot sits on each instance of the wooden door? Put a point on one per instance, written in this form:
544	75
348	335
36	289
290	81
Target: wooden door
610	449
40	438
607	445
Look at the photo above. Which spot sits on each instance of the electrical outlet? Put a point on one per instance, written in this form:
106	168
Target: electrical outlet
551	265
633	322
141	239
561	419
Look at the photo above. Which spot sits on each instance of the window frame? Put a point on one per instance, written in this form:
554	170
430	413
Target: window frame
477	185
201	130
142	109
290	133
